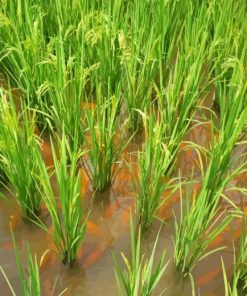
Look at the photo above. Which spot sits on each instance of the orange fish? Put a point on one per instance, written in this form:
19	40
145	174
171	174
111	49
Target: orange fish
93	257
208	134
80	253
85	182
46	152
8	246
209	276
111	209
170	200
93	228
237	233
218	240
126	216
189	153
98	252
165	214
124	175
240	177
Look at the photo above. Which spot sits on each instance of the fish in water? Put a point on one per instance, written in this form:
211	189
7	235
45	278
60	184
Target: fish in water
93	228
209	276
97	254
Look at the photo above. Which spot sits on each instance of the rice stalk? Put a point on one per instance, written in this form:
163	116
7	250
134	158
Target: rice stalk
30	280
19	146
29	277
67	210
147	46
104	150
23	47
228	39
64	86
140	275
202	219
149	182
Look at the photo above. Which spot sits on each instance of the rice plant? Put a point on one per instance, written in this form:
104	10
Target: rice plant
104	150
198	227
230	289
29	277
139	276
102	44
228	38
201	220
23	48
29	281
150	25
64	86
242	260
67	210
239	278
179	99
19	147
149	182
3	177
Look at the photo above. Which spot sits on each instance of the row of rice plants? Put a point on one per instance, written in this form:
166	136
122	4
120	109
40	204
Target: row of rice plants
67	211
18	157
21	153
228	30
201	220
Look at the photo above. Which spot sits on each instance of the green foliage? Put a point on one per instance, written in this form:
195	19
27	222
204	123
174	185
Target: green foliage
64	86
30	281
67	210
239	278
29	277
104	150
201	220
241	264
140	275
149	182
19	146
23	47
228	38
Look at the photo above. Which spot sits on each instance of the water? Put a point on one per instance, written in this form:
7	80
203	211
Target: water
108	231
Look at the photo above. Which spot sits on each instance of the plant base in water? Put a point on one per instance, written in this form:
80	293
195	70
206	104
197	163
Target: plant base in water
103	188
30	215
68	261
135	124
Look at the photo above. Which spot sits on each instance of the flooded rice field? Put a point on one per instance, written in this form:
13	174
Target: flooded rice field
123	152
108	232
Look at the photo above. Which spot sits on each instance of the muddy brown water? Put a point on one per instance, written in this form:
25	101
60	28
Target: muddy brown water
108	231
